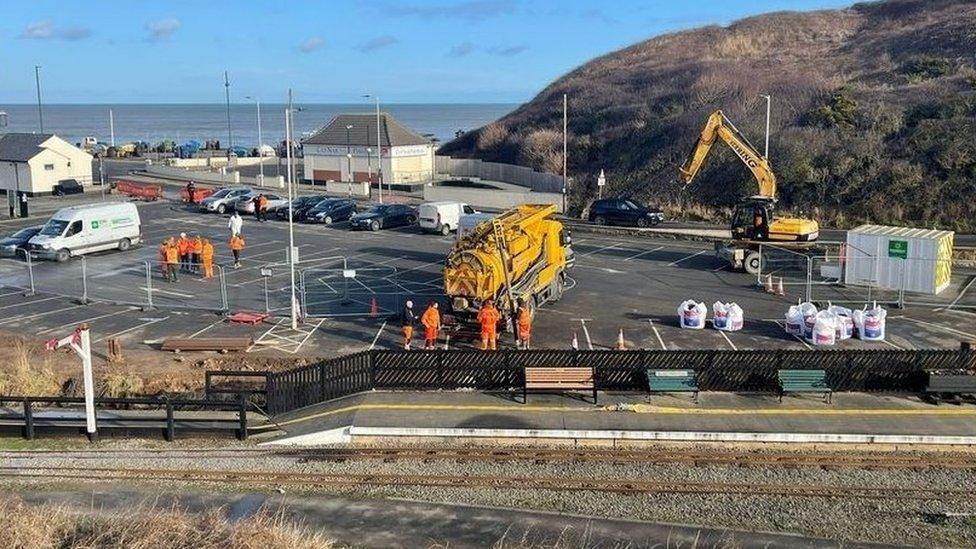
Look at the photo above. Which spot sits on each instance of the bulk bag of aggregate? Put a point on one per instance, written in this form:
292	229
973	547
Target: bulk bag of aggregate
727	317
845	321
692	314
871	323
825	329
794	321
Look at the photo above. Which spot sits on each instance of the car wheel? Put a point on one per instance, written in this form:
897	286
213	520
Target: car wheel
374	226
221	209
327	220
63	255
124	244
411	220
642	222
600	220
655	222
445	230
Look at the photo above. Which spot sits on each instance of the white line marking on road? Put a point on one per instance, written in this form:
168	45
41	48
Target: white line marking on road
938	327
26	303
586	333
635	256
727	340
610	247
198	332
373	344
673	263
136	327
86	320
17	319
958	297
798	338
440	262
170	292
722	268
658	334
890	344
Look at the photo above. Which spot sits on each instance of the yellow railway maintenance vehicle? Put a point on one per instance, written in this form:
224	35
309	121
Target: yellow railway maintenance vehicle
520	256
753	221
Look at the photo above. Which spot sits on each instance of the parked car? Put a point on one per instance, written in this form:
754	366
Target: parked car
223	200
84	229
624	211
331	210
384	216
442	217
299	207
16	244
245	203
67	186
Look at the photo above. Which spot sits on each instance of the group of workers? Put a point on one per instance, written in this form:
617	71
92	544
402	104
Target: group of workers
190	255
488	318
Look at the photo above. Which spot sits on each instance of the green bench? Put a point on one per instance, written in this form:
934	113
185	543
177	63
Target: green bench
804	381
672	381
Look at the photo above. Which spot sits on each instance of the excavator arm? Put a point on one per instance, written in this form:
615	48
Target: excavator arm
720	127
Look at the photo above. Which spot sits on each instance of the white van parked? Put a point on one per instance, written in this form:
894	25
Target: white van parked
80	230
442	217
470	221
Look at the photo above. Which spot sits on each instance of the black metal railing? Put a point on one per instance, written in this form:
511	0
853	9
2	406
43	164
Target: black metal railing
903	371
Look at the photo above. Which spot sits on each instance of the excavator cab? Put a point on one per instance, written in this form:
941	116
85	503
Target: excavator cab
751	219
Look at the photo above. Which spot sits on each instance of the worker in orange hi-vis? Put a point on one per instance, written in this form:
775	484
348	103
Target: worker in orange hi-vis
196	250
236	247
431	320
523	325
206	258
488	317
172	260
183	248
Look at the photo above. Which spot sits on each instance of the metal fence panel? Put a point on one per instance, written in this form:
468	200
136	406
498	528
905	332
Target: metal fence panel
359	292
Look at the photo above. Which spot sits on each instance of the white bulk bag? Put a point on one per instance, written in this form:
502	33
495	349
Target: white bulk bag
727	317
736	317
809	312
692	314
794	321
871	323
825	329
845	321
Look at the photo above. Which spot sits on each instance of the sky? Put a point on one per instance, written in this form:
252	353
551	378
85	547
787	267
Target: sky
409	51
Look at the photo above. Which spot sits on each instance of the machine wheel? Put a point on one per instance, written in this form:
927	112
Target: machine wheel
63	255
753	262
445	230
327	220
411	220
124	244
374	226
600	220
642	222
221	209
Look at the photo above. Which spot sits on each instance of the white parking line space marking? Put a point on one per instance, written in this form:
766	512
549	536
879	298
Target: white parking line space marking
958	297
586	332
170	292
86	320
727	340
375	339
939	327
610	247
781	323
200	331
673	263
657	334
17	319
29	303
641	254
132	329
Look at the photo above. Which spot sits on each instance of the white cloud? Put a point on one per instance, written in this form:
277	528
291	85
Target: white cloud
378	43
162	29
311	44
45	30
462	49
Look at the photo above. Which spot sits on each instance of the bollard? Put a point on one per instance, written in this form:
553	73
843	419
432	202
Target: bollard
267	303
170	427
30	272
28	420
224	307
84	280
149	302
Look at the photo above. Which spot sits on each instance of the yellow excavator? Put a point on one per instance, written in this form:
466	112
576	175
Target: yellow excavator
753	220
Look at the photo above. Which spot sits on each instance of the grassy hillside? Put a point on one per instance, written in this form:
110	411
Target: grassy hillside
874	115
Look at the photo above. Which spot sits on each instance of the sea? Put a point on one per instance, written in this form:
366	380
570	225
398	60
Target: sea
200	122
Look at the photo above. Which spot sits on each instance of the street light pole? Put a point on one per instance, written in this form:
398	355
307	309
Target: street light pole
230	135
565	142
257	102
379	149
40	112
769	100
349	155
291	229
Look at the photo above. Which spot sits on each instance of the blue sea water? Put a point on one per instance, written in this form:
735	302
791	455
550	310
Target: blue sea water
182	122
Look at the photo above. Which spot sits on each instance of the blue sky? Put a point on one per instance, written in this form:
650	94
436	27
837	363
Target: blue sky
409	51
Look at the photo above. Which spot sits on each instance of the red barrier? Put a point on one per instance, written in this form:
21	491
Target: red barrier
198	195
139	190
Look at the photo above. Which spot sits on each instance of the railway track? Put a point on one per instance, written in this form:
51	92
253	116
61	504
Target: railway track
248	477
546	455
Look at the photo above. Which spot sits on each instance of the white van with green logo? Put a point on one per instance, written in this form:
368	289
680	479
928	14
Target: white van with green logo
79	230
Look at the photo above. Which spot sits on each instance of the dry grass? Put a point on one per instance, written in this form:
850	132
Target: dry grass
122	385
29	373
23	525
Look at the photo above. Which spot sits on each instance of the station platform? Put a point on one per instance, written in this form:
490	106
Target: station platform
851	418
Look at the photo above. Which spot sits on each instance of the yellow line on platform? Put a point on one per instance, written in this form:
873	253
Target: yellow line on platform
642	409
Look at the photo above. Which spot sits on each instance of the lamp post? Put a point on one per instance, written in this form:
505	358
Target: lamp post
257	101
565	142
349	155
369	164
769	100
379	148
291	229
230	135
37	82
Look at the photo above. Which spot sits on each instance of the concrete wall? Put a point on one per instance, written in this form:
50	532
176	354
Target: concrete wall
216	162
494	171
491	199
344	189
212	178
13	172
405	164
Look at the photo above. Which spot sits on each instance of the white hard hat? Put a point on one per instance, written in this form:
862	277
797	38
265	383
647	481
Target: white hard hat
182	235
409	303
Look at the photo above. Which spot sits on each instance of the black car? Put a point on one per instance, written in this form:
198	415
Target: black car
15	245
67	186
299	207
624	211
384	216
331	210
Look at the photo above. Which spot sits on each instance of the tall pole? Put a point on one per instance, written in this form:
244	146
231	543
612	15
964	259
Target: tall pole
769	100
257	101
40	112
565	141
111	127
379	151
349	154
230	135
291	227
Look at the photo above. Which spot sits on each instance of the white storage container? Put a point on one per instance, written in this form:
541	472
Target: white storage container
916	260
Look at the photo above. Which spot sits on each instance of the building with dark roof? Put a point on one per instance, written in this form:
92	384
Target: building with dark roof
345	150
35	162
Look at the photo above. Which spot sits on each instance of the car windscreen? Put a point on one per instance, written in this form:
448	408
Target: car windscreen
379	210
325	204
24	233
54	227
220	194
631	205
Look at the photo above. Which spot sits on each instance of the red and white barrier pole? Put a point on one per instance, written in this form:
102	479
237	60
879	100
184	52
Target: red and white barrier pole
80	343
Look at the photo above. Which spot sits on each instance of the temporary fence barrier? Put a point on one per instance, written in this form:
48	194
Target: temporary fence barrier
732	371
351	292
198	195
144	191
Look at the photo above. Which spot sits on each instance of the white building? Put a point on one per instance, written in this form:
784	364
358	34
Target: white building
36	162
348	144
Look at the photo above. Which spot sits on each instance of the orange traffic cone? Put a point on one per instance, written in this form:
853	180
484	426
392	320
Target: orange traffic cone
374	308
621	346
575	343
769	285
779	287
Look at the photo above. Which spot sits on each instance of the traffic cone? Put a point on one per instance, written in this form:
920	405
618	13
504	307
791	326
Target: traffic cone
779	287
621	346
769	285
575	343
374	308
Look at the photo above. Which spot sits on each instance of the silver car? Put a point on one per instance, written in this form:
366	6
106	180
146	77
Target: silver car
223	200
245	204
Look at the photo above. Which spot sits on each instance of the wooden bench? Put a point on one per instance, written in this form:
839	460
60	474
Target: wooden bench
803	381
952	384
559	379
672	381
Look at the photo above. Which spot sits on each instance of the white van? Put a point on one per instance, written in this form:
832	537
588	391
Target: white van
80	230
470	221
442	217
